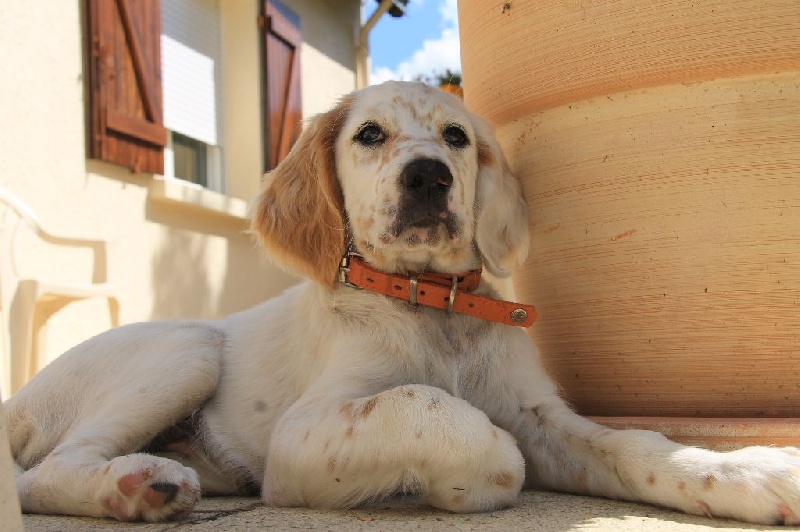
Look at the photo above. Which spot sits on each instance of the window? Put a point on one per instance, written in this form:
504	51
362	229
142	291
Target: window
191	56
190	158
155	85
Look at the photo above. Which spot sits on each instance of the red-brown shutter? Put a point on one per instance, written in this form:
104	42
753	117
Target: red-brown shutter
126	118
283	100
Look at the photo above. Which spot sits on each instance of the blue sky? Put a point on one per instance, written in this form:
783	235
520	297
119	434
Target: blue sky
424	41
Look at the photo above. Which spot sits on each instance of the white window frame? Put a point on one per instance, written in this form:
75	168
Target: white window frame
191	44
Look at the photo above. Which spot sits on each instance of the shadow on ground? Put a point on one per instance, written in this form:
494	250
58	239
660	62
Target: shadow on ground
534	511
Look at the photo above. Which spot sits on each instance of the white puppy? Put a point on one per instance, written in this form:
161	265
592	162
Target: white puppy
331	395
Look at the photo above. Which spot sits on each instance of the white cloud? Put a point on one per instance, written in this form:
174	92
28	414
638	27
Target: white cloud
434	55
448	9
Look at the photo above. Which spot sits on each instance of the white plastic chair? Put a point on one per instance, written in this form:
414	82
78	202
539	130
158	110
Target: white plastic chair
27	303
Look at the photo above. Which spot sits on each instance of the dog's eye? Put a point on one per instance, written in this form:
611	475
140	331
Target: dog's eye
370	134
455	136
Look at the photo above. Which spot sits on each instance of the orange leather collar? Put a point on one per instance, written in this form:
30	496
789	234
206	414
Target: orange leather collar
442	291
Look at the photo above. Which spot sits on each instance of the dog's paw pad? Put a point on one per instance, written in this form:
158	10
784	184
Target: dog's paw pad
128	485
786	516
160	493
150	488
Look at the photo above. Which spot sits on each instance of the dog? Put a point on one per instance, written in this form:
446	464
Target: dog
393	368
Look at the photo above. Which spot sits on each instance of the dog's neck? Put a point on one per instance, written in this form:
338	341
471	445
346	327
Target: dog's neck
449	292
421	261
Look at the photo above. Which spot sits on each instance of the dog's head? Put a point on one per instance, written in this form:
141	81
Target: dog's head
404	174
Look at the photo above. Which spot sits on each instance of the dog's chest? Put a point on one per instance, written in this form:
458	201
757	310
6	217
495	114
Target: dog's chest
449	352
457	353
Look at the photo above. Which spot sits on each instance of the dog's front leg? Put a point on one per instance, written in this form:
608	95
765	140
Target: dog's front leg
566	452
339	452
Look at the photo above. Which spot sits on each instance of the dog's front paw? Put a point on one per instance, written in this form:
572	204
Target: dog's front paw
149	488
755	484
487	483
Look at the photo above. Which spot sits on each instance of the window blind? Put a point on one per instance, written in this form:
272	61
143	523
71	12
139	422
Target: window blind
191	53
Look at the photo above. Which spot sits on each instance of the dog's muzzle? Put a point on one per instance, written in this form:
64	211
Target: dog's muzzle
425	186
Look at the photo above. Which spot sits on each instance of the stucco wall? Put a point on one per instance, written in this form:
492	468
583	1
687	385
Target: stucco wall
327	72
168	260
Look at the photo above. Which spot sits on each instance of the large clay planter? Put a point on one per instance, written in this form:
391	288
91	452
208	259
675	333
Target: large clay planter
658	146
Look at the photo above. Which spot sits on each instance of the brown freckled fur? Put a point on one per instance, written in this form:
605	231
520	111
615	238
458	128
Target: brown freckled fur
418	434
582	478
681	485
369	406
366	222
346	410
298	215
651	479
331	463
504	480
458	499
708	482
485	155
388	154
349	432
410	107
409	393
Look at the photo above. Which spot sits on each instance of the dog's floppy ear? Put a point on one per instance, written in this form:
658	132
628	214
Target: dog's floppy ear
298	216
501	231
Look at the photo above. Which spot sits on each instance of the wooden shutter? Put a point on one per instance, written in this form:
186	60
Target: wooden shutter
282	98
126	117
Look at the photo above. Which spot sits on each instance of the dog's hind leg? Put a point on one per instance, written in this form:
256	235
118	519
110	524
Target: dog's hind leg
78	425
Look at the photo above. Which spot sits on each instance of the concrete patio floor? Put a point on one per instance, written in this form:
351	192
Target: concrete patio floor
534	511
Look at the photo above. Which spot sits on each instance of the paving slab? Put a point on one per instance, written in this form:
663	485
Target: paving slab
534	511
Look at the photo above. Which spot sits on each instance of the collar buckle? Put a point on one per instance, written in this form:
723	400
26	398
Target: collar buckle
452	297
344	269
412	289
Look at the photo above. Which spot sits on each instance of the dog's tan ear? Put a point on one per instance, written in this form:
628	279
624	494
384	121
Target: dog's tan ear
298	216
501	231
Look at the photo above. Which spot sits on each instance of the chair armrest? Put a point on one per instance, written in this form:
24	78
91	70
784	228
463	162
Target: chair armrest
99	248
100	271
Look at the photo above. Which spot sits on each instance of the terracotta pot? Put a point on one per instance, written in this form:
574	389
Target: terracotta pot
658	145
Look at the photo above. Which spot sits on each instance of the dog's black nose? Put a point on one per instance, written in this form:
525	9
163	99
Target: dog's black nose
426	177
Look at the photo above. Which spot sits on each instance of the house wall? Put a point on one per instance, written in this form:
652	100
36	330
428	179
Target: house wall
169	257
327	72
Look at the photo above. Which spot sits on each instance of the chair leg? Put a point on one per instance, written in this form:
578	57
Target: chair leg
28	315
21	318
44	310
113	308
